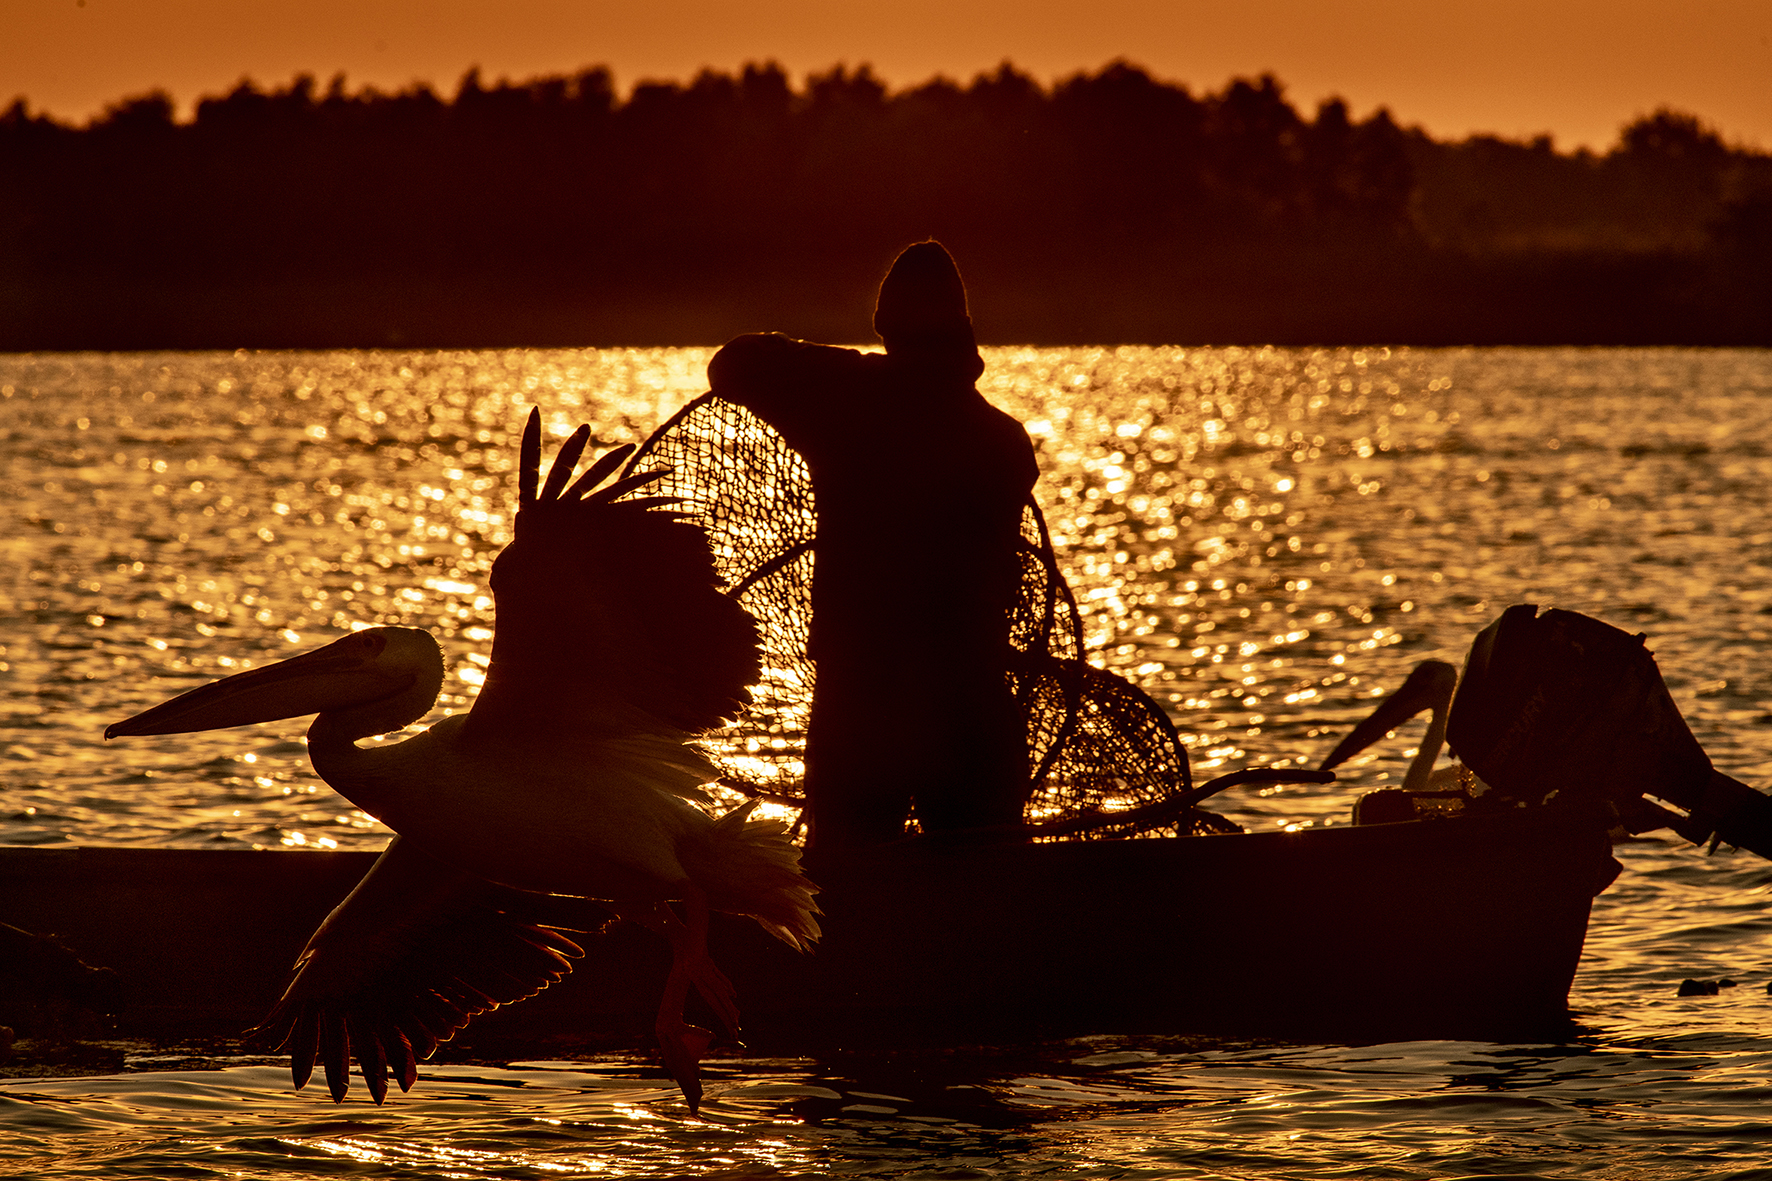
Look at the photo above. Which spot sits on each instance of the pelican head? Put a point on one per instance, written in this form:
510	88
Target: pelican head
374	681
1428	687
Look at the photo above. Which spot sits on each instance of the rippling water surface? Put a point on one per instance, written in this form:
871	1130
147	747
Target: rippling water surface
1267	539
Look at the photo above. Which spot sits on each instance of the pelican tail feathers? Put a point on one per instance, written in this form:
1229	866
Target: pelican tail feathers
751	867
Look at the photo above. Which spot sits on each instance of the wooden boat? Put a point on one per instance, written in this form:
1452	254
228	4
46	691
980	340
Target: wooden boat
1458	927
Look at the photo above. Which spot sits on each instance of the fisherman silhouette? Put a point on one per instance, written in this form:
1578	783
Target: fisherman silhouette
919	485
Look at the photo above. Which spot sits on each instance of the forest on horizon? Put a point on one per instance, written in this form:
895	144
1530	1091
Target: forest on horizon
1109	207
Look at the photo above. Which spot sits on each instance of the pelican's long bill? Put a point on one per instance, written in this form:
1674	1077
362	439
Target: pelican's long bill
345	673
1429	686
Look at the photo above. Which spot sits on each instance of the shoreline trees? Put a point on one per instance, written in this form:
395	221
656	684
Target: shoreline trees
1109	207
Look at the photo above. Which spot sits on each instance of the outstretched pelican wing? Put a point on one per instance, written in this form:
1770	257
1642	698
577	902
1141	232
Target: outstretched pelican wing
610	615
402	964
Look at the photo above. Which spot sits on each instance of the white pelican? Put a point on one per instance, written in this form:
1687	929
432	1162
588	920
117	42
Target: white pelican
1561	703
1429	686
572	774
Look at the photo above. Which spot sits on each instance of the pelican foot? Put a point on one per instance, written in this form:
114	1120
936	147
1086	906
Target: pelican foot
683	1046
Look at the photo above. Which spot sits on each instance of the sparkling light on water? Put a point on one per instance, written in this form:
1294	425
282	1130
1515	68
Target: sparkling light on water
181	517
1266	539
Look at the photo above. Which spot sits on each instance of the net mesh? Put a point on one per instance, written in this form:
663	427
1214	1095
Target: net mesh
1098	746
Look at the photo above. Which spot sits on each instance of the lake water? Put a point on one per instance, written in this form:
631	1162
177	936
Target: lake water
1266	539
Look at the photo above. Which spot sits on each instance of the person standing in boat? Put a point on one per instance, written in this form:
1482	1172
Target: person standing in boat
919	485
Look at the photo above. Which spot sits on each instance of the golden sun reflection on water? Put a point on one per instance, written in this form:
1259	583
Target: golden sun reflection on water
1178	481
1266	539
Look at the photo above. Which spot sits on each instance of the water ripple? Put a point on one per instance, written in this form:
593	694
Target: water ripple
1267	539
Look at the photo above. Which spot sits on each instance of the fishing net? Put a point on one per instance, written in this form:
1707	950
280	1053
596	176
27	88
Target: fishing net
1098	746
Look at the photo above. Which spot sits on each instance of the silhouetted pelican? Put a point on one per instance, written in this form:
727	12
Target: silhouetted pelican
571	774
1429	686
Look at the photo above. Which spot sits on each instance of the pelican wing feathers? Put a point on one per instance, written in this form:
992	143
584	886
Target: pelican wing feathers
412	953
610	614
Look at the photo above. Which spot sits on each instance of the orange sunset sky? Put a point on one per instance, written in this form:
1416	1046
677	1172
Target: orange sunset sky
1577	69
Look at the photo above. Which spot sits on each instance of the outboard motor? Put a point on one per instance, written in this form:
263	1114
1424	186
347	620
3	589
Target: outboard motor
1561	703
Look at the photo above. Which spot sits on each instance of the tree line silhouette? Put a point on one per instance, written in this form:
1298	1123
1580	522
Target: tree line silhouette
1108	207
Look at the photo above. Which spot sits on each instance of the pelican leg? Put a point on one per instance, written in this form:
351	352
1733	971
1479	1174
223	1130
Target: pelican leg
683	1045
689	950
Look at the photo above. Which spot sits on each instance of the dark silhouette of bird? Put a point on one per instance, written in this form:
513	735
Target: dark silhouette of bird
574	773
1429	687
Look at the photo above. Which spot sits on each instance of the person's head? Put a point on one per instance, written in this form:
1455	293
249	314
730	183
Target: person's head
922	310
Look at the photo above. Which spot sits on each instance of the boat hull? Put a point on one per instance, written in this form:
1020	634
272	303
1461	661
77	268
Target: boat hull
1466	927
